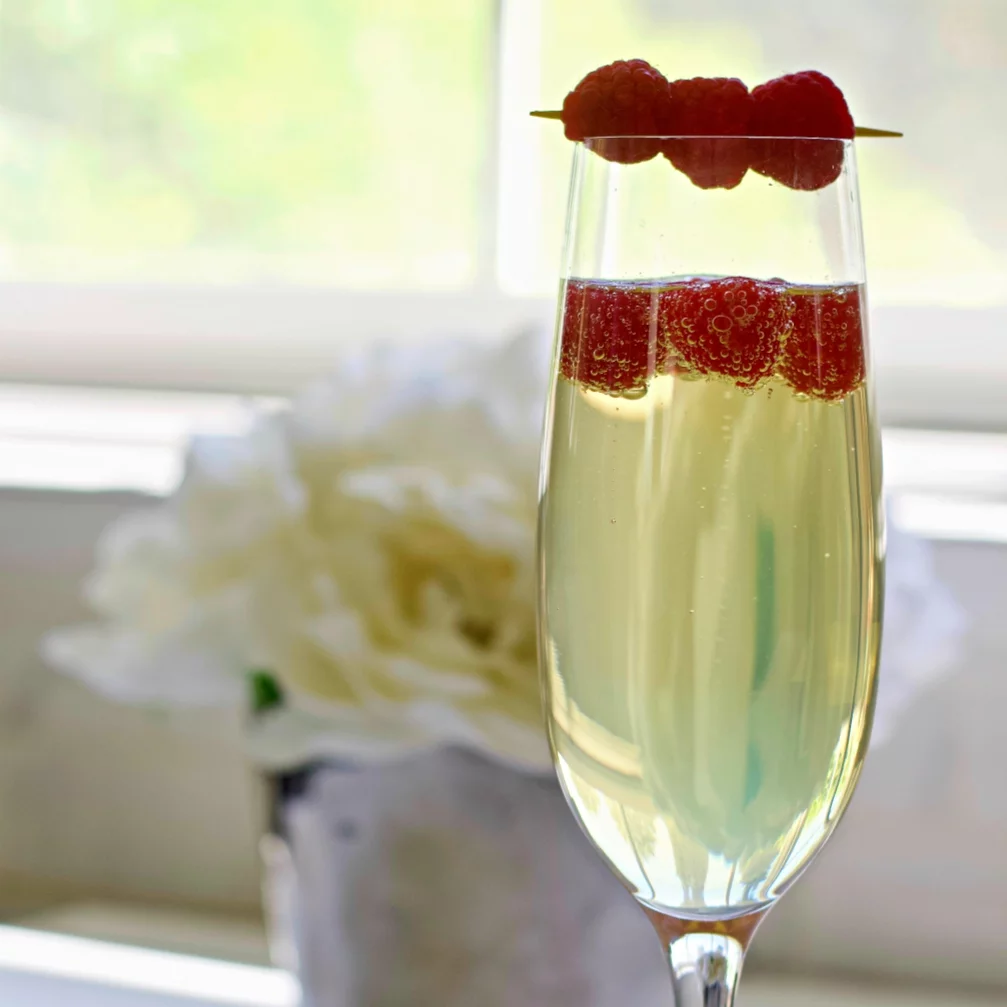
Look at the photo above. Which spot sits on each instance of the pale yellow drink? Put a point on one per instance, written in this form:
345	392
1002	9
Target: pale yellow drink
710	628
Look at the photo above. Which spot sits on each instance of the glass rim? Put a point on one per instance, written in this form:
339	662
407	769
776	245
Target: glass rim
713	136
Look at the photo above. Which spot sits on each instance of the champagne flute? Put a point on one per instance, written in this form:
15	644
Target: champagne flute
711	539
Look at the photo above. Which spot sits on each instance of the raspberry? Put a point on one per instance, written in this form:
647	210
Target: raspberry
804	104
609	336
709	107
824	354
733	327
800	105
624	99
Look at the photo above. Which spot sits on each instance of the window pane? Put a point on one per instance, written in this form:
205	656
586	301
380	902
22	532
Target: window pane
330	141
935	208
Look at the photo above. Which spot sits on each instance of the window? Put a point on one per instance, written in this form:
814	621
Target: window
221	194
297	141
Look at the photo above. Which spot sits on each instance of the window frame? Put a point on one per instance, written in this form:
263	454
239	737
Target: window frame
261	340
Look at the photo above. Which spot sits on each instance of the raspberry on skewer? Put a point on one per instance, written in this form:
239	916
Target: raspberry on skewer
810	108
706	107
628	98
802	119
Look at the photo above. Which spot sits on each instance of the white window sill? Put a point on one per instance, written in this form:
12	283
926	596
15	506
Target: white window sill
106	440
949	485
43	969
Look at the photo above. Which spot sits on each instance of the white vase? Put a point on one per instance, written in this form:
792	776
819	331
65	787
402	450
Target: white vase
449	880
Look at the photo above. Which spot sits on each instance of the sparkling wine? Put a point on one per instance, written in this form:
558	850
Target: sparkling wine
711	592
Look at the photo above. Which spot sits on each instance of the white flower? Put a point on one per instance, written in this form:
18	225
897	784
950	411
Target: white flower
372	548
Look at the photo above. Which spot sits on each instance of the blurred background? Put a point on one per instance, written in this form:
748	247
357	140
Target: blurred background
206	203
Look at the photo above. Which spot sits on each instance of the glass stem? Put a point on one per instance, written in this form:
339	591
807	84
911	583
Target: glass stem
705	969
706	958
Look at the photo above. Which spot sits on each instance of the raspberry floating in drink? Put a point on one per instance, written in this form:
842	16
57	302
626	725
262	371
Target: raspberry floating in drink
823	356
610	335
732	327
617	336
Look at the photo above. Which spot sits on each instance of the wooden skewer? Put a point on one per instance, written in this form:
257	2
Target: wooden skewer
867	131
864	131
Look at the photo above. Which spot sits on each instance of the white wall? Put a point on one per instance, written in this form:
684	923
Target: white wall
139	805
